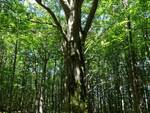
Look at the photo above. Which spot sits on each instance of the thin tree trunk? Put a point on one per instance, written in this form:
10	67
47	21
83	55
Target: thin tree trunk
134	77
136	83
53	90
13	78
42	88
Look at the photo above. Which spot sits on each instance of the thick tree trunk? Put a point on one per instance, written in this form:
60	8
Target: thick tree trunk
74	62
75	72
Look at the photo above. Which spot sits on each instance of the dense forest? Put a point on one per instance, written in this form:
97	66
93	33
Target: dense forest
74	56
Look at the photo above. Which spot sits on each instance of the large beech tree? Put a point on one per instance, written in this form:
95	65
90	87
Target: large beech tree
74	39
34	79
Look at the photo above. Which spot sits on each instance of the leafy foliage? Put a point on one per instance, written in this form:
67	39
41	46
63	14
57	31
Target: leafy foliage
28	35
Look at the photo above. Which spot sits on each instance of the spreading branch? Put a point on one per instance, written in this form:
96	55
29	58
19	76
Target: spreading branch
66	7
59	27
40	22
90	18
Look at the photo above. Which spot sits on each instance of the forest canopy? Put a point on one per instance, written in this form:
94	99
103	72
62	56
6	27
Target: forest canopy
74	56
